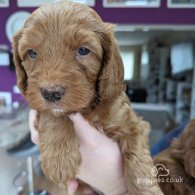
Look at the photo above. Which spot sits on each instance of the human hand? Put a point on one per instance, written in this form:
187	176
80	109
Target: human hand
102	165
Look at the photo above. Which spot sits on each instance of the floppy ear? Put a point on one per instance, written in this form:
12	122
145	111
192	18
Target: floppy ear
110	81
20	72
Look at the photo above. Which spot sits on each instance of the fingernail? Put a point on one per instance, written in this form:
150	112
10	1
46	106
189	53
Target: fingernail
73	116
35	139
72	186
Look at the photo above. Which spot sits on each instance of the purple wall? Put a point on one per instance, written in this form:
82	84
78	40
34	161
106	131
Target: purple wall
161	15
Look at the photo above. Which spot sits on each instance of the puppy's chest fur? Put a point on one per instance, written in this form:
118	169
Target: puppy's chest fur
59	146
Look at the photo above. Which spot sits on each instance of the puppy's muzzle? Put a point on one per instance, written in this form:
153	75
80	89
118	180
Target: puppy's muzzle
52	94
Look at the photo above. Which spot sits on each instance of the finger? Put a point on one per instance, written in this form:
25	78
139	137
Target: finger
72	187
35	137
85	132
32	119
34	132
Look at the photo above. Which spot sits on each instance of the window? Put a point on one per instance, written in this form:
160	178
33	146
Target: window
128	62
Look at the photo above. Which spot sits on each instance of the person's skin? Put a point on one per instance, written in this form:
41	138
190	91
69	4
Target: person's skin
102	165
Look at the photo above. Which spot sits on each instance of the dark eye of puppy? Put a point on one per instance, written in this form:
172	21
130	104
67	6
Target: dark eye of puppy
32	54
83	51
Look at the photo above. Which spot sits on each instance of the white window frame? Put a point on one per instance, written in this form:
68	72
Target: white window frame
131	4
170	4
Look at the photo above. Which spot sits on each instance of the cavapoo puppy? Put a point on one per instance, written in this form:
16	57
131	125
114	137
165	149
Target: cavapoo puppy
67	60
179	159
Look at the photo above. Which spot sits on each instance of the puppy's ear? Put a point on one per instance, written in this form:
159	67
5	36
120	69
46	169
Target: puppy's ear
20	72
110	81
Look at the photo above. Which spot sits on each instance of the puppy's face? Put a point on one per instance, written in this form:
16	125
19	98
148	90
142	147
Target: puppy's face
60	52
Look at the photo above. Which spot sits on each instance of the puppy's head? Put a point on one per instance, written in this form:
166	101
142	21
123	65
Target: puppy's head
66	57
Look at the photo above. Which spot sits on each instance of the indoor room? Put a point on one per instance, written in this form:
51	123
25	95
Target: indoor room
63	74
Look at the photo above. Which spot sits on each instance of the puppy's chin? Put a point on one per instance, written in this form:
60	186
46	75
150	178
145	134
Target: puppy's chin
58	112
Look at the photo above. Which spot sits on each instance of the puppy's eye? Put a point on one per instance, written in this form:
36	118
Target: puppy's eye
83	51
32	54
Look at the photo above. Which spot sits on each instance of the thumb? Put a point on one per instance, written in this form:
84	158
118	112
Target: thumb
86	133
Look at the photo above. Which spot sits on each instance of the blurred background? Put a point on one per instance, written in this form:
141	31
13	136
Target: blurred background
156	38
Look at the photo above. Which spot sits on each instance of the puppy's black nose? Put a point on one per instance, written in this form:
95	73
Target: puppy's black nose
52	94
